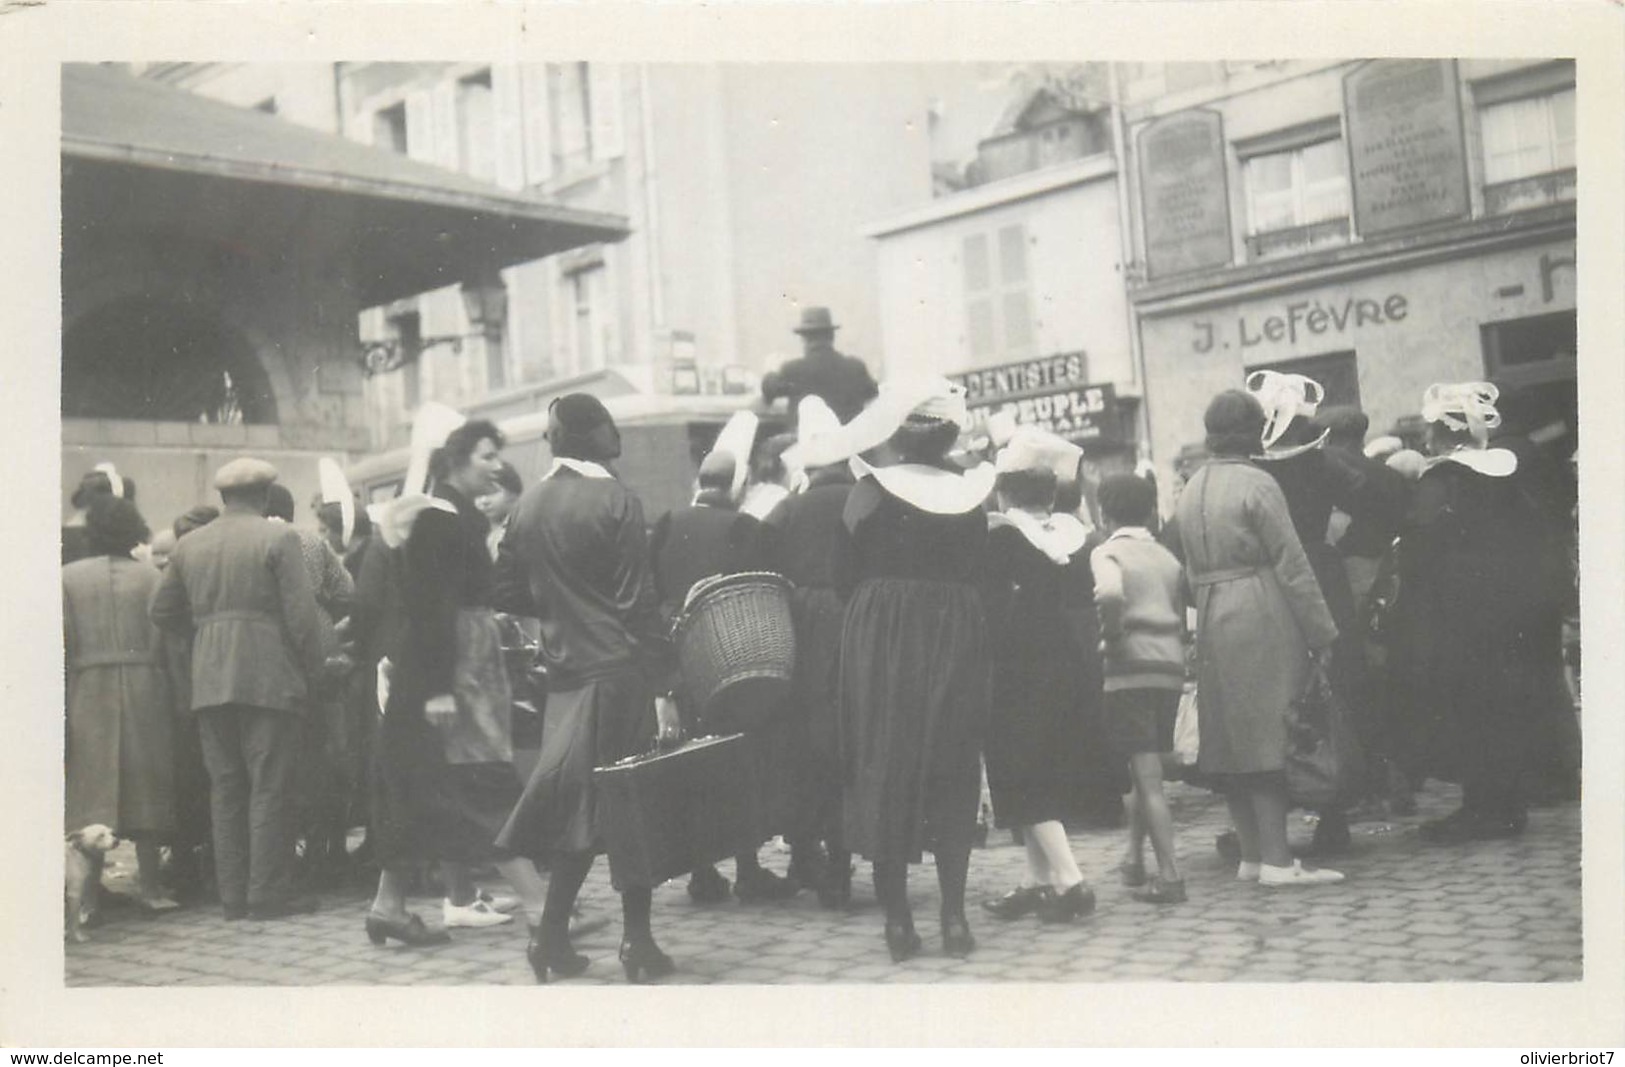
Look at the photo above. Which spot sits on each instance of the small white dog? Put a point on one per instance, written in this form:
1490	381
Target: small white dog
87	851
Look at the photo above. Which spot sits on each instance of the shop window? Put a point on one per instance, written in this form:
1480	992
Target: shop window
476	126
1528	151
1297	198
1536	348
389	128
998	295
1337	372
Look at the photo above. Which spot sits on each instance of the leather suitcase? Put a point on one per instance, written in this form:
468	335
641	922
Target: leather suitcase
664	813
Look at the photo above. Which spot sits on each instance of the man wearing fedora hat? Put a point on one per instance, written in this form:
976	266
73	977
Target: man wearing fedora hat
844	382
239	591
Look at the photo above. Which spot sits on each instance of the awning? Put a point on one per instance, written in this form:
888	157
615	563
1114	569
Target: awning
141	155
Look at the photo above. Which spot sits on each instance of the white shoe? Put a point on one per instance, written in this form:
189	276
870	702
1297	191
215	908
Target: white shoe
476	914
1297	874
497	901
1247	872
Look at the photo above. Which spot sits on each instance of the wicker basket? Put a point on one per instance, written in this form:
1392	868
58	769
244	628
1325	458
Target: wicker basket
736	647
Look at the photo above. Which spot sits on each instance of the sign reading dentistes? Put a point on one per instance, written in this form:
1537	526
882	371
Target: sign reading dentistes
1051	393
1407	155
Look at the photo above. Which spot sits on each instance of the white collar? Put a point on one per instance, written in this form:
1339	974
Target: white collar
1059	536
398	516
583	467
1494	462
762	498
1134	533
932	489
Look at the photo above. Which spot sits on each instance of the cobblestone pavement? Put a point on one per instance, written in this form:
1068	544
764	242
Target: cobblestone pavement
1501	911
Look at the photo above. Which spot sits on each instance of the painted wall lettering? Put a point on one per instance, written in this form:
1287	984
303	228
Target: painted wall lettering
1300	320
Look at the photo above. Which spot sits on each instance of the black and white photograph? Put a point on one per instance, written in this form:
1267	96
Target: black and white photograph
568	519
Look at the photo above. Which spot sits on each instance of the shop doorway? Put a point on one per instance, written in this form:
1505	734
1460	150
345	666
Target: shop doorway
1337	373
1533	362
1533	350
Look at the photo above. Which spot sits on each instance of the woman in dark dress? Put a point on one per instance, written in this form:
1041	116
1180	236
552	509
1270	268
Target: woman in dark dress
443	778
802	529
914	670
1478	575
1046	678
1316	481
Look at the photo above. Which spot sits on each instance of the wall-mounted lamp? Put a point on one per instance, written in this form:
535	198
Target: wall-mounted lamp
486	303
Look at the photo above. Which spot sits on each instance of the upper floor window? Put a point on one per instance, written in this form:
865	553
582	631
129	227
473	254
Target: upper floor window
406	330
589	319
1297	197
1528	152
1297	188
389	128
571	96
998	295
1526	124
476	125
1528	137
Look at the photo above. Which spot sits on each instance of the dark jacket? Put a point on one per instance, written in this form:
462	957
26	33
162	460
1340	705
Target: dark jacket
576	557
844	382
696	542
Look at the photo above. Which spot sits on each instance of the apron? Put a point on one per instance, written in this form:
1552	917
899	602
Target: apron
482	732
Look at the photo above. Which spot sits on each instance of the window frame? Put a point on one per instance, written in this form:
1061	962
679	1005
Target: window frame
1544	101
1294	142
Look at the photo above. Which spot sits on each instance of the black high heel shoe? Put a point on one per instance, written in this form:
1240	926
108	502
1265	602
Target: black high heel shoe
411	932
956	937
901	939
643	961
550	950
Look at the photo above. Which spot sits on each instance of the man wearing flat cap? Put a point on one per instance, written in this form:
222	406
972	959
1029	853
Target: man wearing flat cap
239	590
843	382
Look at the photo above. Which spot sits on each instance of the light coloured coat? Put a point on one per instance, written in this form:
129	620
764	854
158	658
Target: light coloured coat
1259	613
120	768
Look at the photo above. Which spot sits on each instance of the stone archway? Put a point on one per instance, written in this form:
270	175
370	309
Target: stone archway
156	360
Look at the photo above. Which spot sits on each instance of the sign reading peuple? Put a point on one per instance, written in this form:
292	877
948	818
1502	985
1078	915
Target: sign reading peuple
1298	321
1049	393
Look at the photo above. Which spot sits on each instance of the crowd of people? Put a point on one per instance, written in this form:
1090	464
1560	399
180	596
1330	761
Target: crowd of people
448	669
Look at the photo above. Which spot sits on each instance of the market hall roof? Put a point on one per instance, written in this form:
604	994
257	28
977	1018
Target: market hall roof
137	153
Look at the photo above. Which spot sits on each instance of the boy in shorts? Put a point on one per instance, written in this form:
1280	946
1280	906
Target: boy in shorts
1142	625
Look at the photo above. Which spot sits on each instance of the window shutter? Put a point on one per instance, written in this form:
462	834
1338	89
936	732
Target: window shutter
444	97
506	94
538	123
604	103
420	126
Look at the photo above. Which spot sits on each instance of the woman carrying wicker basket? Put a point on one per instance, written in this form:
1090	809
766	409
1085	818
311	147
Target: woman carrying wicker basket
713	537
914	674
